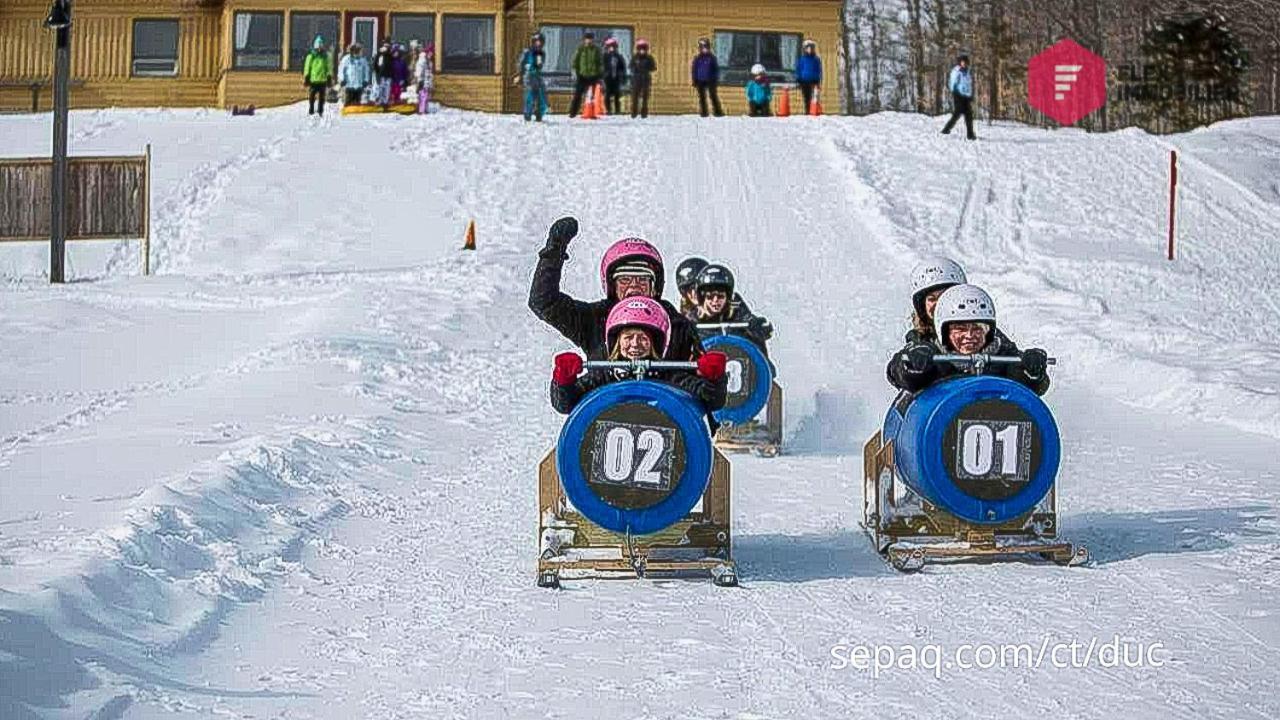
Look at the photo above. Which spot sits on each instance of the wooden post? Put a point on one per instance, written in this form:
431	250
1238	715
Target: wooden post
1173	196
146	216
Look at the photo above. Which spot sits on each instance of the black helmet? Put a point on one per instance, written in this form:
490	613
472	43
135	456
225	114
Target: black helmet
687	273
715	276
962	58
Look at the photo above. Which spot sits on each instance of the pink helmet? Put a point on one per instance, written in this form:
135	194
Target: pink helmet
631	249
641	312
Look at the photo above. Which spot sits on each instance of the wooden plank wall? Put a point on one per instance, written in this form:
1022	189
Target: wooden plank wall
106	198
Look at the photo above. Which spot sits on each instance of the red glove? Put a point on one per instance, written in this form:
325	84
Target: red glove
568	365
711	365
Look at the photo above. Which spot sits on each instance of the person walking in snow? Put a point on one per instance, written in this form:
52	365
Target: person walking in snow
759	92
615	76
354	74
705	70
317	73
637	329
961	85
530	75
588	66
642	69
965	324
631	267
382	75
425	77
399	73
809	72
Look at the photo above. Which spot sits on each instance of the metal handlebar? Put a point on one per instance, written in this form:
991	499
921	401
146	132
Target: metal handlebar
723	326
979	359
639	368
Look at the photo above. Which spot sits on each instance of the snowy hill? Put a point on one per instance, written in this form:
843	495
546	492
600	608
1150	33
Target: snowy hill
292	475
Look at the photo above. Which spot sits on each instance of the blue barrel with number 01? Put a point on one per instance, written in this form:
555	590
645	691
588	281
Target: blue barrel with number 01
983	448
635	456
750	378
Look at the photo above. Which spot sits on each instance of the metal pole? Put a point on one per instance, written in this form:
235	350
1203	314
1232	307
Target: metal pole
58	222
1173	196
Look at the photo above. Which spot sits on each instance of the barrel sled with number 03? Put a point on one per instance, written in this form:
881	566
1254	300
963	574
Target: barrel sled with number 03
750	378
983	448
635	456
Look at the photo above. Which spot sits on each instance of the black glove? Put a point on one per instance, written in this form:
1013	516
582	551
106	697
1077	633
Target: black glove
1034	362
562	231
761	327
919	357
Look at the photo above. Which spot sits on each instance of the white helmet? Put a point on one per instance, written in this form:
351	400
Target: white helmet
933	273
757	69
963	303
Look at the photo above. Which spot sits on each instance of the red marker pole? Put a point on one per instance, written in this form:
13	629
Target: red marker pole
1173	195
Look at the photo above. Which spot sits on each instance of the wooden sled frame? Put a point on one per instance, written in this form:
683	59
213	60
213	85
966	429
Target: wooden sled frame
571	544
916	532
764	440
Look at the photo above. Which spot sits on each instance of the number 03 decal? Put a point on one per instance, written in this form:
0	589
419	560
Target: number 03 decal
733	369
978	455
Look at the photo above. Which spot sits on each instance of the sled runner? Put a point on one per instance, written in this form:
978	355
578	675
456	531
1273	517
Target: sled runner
752	389
634	487
965	470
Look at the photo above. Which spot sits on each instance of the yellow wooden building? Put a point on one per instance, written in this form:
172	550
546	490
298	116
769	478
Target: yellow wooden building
190	53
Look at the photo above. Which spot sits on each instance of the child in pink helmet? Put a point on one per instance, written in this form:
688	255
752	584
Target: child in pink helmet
631	267
637	328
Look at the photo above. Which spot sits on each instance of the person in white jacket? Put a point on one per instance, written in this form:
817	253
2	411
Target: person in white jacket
424	75
354	74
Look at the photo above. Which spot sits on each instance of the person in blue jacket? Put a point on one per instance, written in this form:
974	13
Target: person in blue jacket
530	75
354	74
961	85
759	92
706	76
809	72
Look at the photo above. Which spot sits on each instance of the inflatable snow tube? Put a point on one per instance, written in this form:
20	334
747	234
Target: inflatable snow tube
750	378
635	455
983	448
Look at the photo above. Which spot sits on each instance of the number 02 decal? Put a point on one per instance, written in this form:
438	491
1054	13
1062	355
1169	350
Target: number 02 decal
635	456
977	449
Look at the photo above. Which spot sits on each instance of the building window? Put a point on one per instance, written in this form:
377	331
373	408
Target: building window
303	30
562	41
468	45
258	41
737	51
407	27
155	47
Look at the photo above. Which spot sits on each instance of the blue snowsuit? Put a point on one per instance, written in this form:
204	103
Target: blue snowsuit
535	87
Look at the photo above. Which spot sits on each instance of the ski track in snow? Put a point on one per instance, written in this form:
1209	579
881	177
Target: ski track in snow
371	556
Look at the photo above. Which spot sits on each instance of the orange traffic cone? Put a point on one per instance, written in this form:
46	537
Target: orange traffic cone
599	109
470	243
589	105
815	105
784	104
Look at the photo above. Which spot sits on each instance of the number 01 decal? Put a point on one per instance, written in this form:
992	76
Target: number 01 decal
632	455
994	449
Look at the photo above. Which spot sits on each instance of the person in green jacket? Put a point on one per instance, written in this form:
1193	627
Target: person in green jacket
317	73
588	66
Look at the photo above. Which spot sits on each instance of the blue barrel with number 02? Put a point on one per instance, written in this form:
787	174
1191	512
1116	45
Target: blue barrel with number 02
635	455
750	378
983	448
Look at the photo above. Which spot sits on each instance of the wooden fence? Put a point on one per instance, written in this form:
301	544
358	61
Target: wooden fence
108	198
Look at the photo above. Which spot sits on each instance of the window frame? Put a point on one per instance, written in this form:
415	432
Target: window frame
442	50
133	45
333	43
235	67
435	27
549	77
777	76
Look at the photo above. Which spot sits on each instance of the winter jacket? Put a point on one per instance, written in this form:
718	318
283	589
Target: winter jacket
588	62
354	72
615	68
903	377
317	69
423	71
759	92
582	323
809	68
711	393
961	82
737	312
642	68
399	70
382	65
706	69
531	63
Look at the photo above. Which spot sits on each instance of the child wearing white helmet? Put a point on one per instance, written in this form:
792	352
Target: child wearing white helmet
964	320
638	329
759	92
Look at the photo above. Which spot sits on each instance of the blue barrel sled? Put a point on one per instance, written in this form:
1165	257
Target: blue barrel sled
634	473
965	468
752	389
